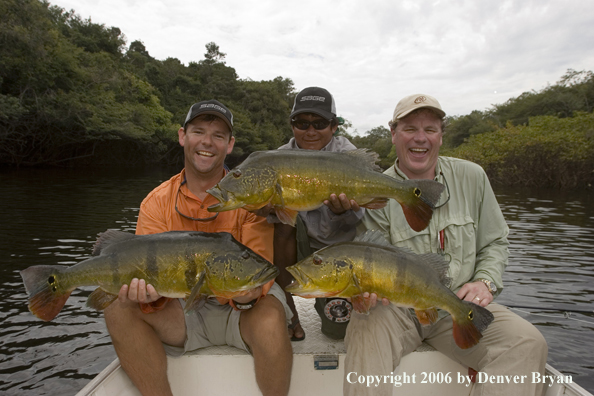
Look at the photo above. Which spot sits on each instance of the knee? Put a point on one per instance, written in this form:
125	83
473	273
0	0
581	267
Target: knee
534	343
272	316
265	325
118	315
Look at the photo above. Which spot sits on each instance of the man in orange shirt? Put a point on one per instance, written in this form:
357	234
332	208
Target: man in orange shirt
144	326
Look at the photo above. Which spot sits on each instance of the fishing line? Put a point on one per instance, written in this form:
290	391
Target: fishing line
582	311
566	314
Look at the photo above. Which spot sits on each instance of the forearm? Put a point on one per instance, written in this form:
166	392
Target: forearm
285	251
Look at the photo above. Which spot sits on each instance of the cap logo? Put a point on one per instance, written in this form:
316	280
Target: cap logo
318	98
420	99
213	106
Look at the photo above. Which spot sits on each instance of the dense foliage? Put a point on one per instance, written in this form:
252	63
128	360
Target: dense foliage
549	152
70	90
573	92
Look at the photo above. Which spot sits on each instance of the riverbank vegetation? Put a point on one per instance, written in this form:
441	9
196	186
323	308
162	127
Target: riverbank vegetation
72	93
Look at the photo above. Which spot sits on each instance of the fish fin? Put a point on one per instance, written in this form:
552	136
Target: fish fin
286	216
376	203
468	329
196	299
418	206
45	301
440	265
373	236
108	238
426	316
361	304
100	299
279	191
366	158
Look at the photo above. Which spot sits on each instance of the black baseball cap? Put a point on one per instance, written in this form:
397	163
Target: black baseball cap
315	100
213	107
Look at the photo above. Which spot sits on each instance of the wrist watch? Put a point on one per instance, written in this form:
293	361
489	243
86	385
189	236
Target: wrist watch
490	285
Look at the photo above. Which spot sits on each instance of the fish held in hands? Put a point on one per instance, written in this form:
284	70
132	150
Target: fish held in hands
371	264
301	180
179	264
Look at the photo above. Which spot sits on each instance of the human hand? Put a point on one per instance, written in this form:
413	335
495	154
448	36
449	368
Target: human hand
340	204
369	301
476	292
138	292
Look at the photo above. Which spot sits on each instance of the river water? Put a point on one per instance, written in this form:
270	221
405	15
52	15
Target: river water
52	217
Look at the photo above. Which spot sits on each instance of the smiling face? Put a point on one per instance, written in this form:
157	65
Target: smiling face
206	143
417	139
311	138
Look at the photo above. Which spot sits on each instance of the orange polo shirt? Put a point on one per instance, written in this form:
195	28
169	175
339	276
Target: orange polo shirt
158	214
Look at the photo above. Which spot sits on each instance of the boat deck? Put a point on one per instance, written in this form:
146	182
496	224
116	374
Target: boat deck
318	369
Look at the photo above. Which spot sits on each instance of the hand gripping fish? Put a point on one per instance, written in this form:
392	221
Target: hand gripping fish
179	264
300	180
371	264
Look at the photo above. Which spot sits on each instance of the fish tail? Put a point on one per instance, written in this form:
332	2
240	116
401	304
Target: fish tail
468	328
419	204
46	298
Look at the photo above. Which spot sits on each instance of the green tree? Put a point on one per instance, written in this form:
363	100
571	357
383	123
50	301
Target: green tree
67	95
550	151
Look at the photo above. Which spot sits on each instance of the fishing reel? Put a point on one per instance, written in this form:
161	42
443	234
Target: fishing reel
338	310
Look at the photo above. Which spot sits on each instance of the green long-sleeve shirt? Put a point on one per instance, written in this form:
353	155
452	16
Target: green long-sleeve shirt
474	228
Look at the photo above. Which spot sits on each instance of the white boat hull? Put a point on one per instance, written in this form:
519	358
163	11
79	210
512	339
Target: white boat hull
225	370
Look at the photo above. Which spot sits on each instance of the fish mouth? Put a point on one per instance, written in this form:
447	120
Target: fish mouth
226	200
303	285
219	194
267	274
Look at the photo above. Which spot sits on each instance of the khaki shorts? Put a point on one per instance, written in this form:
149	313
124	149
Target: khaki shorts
218	324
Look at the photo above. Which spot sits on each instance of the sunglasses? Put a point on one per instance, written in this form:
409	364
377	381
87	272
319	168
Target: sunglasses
304	124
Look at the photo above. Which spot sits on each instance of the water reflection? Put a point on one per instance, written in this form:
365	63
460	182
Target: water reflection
53	217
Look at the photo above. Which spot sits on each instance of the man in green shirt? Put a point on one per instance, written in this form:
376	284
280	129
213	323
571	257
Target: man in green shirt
468	228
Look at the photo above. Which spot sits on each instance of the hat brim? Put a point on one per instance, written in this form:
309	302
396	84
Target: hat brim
325	114
214	113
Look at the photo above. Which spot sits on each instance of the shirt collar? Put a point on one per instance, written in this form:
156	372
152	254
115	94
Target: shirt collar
404	177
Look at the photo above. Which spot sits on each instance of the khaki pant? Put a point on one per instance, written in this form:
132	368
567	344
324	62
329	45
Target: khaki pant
376	342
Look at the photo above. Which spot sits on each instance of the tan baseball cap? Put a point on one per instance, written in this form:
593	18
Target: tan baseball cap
416	101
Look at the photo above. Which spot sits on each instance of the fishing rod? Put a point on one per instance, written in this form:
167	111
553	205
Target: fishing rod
582	311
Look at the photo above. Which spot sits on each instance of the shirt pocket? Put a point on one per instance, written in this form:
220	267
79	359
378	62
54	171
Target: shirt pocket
460	247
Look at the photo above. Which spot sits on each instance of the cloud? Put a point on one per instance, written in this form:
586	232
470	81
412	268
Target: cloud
469	54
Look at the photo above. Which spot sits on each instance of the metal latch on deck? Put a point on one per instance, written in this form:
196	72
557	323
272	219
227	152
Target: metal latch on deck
325	362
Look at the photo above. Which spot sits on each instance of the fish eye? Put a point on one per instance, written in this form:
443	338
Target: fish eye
317	260
236	173
470	315
417	192
245	255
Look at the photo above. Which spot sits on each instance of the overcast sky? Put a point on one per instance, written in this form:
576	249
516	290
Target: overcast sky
369	54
